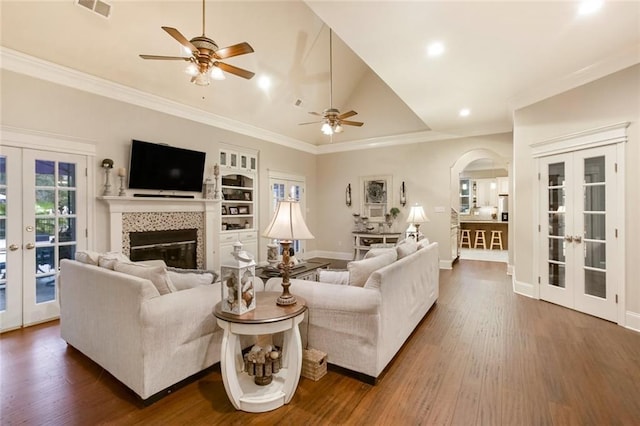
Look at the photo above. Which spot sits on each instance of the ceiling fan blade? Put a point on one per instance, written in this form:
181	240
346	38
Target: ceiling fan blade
310	122
181	39
315	113
351	123
166	58
234	70
235	50
347	114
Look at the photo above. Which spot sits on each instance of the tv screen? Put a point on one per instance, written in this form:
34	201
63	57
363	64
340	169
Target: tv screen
164	167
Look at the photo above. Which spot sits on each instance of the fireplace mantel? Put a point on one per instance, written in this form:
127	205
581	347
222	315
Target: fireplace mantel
119	205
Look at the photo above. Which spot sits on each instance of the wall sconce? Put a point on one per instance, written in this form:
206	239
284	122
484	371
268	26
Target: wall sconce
347	195
403	195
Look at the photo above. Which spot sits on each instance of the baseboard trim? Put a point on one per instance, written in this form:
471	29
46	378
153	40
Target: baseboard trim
522	288
632	321
510	269
446	264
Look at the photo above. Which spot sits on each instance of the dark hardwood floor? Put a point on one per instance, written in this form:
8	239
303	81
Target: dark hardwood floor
483	355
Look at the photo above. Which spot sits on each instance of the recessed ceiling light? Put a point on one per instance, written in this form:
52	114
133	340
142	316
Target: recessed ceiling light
587	7
464	112
264	82
435	49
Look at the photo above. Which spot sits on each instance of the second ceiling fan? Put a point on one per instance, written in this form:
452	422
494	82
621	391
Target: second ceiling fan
205	56
332	121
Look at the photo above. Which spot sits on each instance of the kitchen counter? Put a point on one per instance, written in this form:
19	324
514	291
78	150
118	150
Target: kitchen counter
488	226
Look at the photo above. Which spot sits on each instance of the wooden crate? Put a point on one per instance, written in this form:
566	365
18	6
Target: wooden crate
314	364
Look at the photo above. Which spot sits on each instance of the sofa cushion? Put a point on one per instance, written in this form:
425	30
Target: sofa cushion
406	248
333	277
359	270
186	279
108	260
87	256
377	252
156	274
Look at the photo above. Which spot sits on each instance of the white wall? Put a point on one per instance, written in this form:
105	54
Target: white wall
33	104
425	169
610	100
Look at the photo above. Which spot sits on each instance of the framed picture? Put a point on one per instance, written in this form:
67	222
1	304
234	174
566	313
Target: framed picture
233	210
243	209
224	210
376	197
247	196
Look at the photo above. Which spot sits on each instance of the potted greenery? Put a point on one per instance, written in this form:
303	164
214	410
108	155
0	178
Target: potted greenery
391	216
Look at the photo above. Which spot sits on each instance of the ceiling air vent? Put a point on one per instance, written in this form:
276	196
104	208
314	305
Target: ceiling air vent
101	8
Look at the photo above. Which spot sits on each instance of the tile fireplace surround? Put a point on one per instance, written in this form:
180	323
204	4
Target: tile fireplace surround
133	214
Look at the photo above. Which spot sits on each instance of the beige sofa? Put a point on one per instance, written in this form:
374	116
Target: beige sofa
147	341
362	328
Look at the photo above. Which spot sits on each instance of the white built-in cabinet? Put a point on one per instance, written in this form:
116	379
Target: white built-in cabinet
238	215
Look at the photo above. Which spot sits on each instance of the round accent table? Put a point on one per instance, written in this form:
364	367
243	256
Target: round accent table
266	318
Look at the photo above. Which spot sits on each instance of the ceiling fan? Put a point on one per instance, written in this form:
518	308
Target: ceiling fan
205	55
332	121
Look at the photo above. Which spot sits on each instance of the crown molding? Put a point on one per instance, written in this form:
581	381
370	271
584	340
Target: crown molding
37	68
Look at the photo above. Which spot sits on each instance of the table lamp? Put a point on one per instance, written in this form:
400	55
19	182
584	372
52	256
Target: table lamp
416	217
287	225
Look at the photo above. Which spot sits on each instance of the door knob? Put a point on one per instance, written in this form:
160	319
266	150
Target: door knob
568	238
14	247
30	246
577	239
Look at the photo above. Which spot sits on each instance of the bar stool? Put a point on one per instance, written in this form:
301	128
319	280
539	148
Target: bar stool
496	239
465	238
480	239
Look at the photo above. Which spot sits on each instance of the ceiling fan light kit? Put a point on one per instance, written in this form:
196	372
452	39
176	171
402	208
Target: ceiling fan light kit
204	63
332	121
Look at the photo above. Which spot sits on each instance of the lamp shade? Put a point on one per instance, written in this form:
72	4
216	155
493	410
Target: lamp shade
416	215
288	223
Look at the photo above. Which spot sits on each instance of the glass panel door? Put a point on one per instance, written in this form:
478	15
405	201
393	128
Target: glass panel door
576	235
52	225
10	238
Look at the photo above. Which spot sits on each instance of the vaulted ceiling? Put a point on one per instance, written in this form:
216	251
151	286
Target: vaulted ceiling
498	55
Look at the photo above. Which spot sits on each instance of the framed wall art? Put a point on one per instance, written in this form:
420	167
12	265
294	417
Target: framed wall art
376	197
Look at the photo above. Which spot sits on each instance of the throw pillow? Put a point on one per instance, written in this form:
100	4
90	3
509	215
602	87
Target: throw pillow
156	274
359	270
87	256
333	277
108	260
406	249
377	252
195	271
423	243
187	280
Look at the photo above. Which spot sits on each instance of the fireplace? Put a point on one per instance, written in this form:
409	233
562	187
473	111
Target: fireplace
176	247
131	215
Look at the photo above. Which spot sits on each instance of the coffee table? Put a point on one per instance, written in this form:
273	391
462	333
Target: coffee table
306	271
266	318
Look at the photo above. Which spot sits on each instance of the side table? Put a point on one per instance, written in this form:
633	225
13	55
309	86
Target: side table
266	318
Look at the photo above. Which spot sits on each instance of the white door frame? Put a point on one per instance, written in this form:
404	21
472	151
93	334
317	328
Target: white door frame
299	180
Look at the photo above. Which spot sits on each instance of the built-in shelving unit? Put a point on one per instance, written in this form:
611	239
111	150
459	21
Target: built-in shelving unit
238	207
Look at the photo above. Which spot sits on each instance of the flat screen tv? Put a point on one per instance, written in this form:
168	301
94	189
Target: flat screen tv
164	167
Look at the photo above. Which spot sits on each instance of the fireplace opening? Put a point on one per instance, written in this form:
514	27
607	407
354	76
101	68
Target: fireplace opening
176	247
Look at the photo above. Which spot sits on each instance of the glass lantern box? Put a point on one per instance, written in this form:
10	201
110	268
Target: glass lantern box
238	293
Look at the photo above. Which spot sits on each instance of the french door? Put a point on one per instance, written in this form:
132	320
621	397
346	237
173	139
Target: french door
284	187
578	231
42	220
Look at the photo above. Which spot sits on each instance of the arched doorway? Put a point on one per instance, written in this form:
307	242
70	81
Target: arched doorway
480	191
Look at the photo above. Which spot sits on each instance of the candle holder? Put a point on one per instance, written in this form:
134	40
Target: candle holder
107	165
122	193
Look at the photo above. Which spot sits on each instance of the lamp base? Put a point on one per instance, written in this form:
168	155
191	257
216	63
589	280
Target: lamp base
286	298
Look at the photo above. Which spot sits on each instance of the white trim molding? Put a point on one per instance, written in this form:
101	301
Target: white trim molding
632	321
591	138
